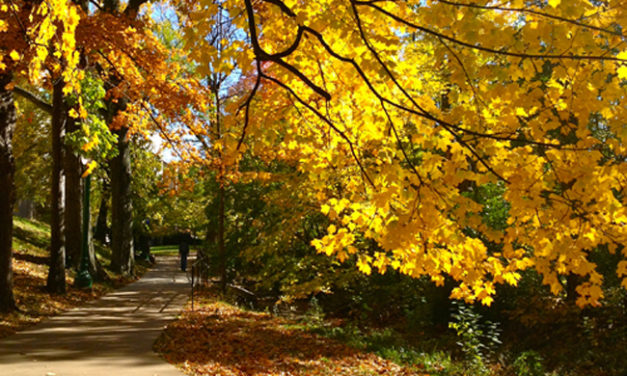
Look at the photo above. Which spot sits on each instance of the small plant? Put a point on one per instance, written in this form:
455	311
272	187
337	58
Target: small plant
315	314
529	363
477	340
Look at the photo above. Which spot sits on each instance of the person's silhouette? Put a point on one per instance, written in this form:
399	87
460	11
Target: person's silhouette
183	252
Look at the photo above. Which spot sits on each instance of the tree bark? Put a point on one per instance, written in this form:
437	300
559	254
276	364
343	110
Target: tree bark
100	233
221	194
73	203
56	272
95	268
122	260
7	170
221	248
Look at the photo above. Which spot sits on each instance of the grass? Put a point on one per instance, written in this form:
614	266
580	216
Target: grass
30	267
165	250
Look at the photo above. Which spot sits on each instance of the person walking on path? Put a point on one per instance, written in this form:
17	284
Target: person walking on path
183	252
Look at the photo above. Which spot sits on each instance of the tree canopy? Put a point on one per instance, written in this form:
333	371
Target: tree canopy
398	116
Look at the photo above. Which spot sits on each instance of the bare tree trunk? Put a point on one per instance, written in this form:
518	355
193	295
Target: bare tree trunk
95	268
7	169
221	248
73	203
221	193
56	272
100	233
122	260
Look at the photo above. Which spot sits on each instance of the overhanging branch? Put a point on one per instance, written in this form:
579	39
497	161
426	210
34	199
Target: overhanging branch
40	103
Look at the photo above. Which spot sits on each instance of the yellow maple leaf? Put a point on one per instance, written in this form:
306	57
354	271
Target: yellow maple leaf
14	55
554	3
90	167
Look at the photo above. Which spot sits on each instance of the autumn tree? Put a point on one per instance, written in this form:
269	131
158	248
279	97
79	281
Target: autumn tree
27	31
220	73
410	107
414	104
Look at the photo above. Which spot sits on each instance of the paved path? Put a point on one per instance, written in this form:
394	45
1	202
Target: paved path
111	336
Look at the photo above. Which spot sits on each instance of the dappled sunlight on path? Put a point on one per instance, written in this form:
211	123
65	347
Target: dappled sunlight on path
109	336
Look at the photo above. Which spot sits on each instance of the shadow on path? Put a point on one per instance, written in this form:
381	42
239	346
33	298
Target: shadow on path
109	336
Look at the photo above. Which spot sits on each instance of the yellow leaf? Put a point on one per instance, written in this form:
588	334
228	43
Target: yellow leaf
14	55
363	266
554	3
89	169
487	300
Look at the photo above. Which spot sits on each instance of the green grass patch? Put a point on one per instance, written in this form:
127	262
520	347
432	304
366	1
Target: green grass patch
36	234
388	344
31	225
165	250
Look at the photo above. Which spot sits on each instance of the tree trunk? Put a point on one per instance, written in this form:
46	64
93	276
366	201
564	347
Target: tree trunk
7	169
122	260
100	233
121	208
72	202
221	248
95	268
572	281
56	272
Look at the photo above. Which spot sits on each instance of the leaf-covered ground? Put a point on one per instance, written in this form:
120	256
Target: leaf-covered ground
30	267
220	339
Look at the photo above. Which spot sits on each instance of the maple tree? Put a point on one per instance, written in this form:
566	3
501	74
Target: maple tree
415	105
396	112
27	31
45	41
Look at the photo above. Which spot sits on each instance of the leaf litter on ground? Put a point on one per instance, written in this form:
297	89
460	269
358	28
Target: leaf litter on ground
220	339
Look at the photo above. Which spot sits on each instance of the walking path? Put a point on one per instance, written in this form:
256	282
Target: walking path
109	336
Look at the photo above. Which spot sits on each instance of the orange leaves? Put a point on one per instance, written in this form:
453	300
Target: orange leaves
221	339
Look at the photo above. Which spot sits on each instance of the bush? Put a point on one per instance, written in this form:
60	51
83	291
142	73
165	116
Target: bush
528	363
477	340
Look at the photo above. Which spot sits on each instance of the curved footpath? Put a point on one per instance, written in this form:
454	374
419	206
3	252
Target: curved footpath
109	336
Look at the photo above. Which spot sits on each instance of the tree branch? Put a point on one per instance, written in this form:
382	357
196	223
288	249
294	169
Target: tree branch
327	121
246	104
479	47
531	11
133	7
40	103
277	57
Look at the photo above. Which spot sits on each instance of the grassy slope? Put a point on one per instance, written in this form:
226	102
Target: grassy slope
31	240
